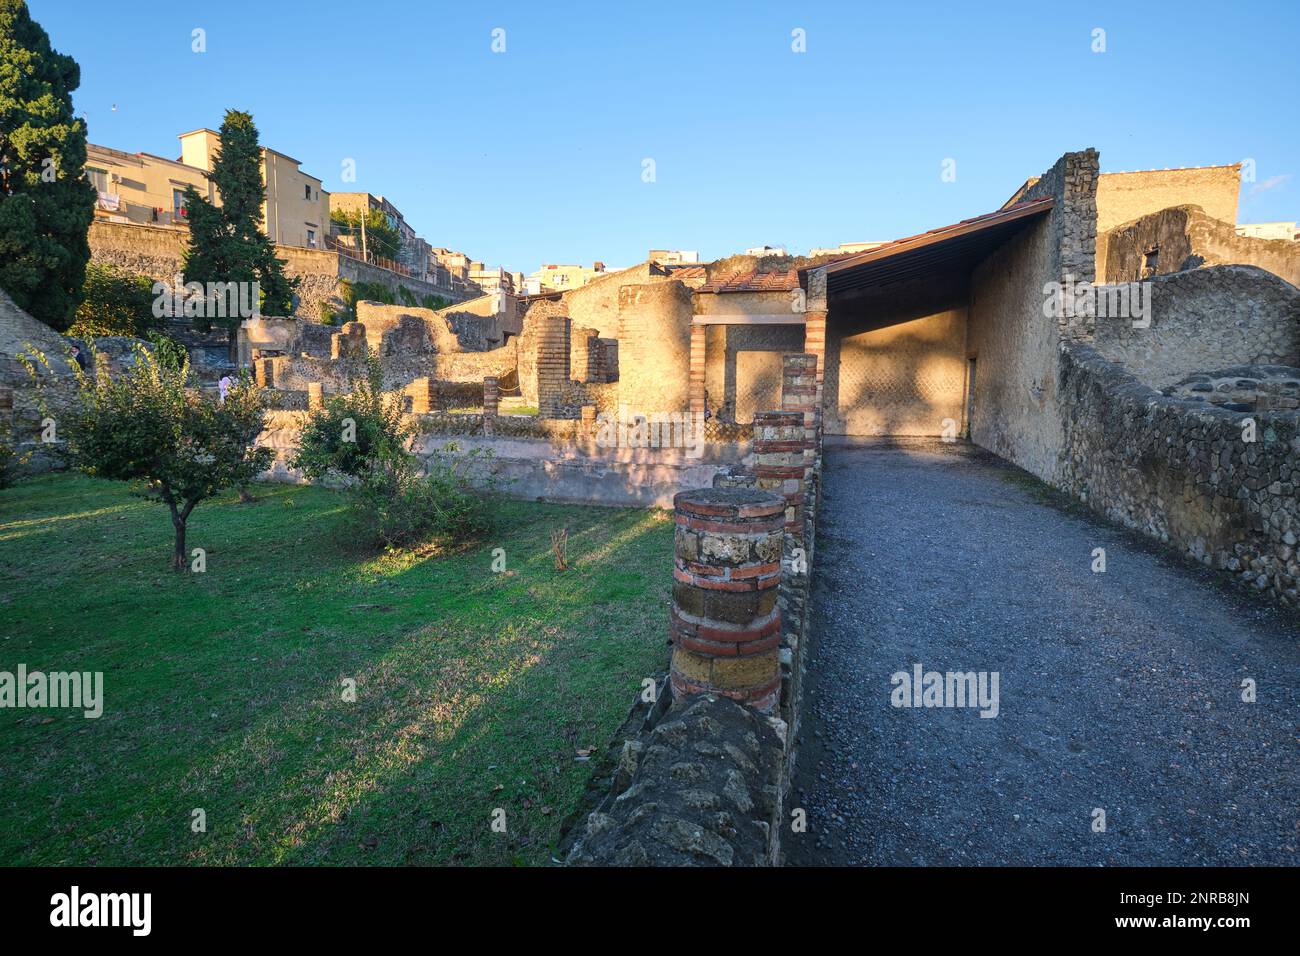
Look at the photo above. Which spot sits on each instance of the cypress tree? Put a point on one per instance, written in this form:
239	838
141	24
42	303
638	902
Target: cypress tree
227	243
46	204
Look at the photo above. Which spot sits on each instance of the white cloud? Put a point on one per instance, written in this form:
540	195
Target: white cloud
1267	184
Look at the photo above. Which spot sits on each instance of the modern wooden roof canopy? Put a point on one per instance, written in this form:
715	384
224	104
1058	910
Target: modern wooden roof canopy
949	248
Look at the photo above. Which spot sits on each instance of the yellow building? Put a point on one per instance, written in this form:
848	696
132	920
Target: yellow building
559	278
141	188
296	210
147	189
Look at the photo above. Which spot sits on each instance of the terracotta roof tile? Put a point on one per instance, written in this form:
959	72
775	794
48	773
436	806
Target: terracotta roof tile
753	281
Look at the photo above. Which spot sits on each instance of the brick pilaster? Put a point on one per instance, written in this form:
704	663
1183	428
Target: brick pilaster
698	354
552	363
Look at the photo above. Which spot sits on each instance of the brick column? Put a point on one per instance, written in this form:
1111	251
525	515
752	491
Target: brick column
552	363
780	444
799	386
315	396
264	372
698	353
814	340
726	625
424	396
491	403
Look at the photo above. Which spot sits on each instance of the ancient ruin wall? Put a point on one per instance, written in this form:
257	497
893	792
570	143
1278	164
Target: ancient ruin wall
153	251
742	370
1203	320
159	251
1184	237
1015	344
595	305
699	779
1123	197
1219	486
655	347
896	362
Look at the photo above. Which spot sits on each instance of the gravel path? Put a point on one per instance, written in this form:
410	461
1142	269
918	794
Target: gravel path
1119	690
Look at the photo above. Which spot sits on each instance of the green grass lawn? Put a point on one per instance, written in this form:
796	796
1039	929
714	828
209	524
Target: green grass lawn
224	690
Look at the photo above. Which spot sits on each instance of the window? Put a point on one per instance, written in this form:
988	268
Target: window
1151	262
311	238
98	178
178	204
306	191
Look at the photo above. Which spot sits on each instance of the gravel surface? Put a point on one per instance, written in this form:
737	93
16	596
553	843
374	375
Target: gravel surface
1118	691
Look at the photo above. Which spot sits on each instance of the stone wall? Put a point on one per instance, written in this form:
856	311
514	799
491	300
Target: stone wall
485	322
896	361
1218	486
1206	319
54	387
654	336
1015	345
742	372
596	304
1123	197
21	334
532	458
552	370
158	252
153	251
320	272
1184	237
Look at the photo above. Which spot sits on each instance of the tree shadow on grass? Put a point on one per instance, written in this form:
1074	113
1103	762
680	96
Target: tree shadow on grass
453	699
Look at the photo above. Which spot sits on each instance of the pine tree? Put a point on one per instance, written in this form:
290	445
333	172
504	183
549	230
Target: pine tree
46	204
227	243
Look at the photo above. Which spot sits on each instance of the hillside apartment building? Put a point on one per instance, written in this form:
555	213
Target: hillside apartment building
146	189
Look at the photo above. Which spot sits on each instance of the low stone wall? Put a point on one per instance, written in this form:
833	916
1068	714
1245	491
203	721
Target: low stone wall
475	366
1217	485
530	458
700	787
1205	319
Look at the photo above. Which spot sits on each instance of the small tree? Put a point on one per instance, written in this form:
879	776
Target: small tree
227	243
350	433
381	237
145	425
46	204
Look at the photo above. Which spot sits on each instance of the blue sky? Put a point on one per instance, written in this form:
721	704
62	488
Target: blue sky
536	154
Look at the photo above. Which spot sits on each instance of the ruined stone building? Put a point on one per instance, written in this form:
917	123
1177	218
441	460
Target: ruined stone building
1113	334
1106	332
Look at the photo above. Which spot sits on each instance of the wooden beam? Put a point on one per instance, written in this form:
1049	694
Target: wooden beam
743	318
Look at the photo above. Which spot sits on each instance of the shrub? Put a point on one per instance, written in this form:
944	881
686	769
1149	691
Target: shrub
362	438
394	506
351	432
114	302
10	462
